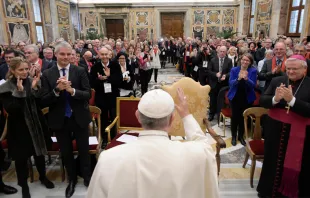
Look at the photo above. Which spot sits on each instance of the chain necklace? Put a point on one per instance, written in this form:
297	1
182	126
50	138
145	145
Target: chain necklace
288	106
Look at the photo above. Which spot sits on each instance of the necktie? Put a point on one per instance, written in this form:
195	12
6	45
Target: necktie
68	111
221	65
279	61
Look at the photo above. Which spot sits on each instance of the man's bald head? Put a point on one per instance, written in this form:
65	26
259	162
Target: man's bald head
104	54
222	51
88	55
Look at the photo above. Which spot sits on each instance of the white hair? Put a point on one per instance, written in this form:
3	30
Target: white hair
63	44
34	47
268	52
302	62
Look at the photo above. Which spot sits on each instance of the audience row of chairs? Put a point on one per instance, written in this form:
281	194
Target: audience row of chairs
126	121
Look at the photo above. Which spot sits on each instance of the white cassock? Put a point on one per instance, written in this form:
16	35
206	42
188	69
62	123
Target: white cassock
156	167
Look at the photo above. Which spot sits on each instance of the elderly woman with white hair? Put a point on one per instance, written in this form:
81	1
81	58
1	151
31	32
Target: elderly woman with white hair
285	171
233	55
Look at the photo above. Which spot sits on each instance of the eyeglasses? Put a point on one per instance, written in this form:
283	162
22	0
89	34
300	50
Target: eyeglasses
293	69
299	51
245	60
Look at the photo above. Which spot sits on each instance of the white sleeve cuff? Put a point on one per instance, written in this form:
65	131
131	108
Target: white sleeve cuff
192	129
274	101
292	102
56	94
73	92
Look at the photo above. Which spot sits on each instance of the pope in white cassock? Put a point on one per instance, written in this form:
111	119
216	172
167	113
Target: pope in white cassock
154	166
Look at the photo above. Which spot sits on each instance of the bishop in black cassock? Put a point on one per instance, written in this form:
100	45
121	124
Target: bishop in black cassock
286	167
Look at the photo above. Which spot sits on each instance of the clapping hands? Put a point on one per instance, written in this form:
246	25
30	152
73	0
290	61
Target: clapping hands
243	75
64	84
283	92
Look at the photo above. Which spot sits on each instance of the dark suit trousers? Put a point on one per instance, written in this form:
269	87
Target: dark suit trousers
21	167
2	156
64	138
107	114
144	80
203	76
213	98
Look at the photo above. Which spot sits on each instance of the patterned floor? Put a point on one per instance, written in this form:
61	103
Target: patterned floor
233	179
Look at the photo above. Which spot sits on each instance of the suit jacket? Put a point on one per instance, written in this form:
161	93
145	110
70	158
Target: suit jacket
102	99
196	156
46	64
213	69
308	68
266	73
4	68
78	102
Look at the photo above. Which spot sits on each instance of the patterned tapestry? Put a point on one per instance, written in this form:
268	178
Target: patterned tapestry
143	33
91	19
262	28
63	15
264	8
142	18
199	17
213	17
15	9
213	30
228	16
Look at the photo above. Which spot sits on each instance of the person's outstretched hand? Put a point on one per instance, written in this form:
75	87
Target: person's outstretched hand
182	106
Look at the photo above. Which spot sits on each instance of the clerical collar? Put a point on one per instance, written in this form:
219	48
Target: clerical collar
153	134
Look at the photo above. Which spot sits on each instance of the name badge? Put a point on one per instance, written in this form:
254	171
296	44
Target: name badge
196	68
187	53
164	53
168	47
107	87
136	70
205	64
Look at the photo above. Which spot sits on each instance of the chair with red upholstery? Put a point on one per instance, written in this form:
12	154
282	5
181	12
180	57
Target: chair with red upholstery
125	119
225	112
92	99
254	146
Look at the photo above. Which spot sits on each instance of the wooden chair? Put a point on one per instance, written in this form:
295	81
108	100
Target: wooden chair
125	119
93	149
254	147
197	98
92	99
4	144
225	113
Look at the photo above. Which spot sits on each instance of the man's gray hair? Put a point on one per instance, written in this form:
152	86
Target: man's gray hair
154	123
32	46
47	49
268	52
303	63
300	45
63	44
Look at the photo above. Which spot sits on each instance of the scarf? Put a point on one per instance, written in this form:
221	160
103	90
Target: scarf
185	57
274	63
293	156
30	111
307	56
155	52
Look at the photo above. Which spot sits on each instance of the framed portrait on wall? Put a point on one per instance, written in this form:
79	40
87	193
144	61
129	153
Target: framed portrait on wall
19	32
15	8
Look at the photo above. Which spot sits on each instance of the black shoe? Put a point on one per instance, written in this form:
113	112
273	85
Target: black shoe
261	196
86	183
7	189
70	189
234	141
241	140
211	117
25	192
47	183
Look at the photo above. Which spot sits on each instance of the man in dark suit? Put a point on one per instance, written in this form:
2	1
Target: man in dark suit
66	91
48	61
275	66
260	53
4	68
219	71
106	78
301	49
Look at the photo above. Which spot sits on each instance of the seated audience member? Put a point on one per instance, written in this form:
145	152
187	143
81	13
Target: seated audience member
153	165
126	86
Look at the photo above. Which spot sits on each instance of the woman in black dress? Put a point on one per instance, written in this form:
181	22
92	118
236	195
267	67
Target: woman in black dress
27	129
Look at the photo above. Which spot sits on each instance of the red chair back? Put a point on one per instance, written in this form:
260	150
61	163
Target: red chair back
92	99
127	108
256	102
226	98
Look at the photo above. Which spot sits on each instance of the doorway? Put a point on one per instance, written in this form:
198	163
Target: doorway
172	24
115	28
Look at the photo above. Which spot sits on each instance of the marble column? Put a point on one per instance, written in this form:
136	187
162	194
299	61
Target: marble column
240	19
2	26
54	19
275	18
305	23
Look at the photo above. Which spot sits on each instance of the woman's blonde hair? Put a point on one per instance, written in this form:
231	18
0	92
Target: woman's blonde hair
14	64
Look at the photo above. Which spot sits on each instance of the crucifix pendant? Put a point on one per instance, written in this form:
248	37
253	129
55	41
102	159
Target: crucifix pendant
288	108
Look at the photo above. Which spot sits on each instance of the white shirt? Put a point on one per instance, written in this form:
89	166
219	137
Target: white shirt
61	75
259	68
156	167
